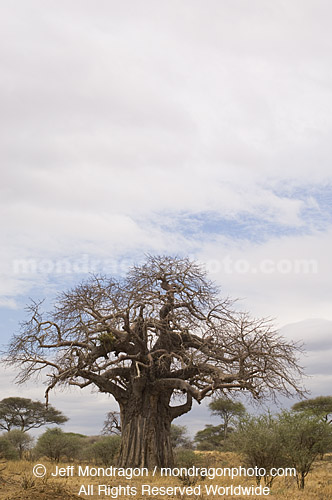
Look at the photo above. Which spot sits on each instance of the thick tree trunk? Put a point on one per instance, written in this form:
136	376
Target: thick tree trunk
146	423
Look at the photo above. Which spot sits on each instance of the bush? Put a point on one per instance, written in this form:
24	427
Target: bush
76	445
105	450
210	438
7	450
20	440
55	444
287	440
179	437
257	439
302	439
186	458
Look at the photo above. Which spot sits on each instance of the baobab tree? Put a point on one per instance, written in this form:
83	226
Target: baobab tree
160	332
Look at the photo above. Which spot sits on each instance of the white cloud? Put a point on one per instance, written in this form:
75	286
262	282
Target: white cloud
286	277
125	123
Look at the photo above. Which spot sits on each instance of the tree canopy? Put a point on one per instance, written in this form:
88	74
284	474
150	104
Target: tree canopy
302	439
25	414
210	438
289	439
179	437
227	410
55	444
20	440
320	407
257	439
161	331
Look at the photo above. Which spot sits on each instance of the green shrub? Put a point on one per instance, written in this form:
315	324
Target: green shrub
105	450
210	438
7	450
20	440
302	439
56	444
184	457
257	439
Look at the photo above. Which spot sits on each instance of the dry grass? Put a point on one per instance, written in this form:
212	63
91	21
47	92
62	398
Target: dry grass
18	483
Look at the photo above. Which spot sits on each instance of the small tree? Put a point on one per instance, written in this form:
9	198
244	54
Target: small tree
227	410
320	407
258	440
302	439
179	437
54	444
76	445
105	450
20	440
25	414
7	450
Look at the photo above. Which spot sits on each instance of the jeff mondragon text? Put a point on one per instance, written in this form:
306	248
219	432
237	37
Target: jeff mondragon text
204	472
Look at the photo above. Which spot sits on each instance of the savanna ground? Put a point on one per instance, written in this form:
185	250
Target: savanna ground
18	482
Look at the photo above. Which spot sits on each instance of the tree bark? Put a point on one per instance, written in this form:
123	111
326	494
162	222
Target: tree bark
146	424
300	479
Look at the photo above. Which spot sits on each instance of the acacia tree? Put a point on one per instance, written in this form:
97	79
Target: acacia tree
302	438
210	438
20	440
320	407
257	438
179	437
161	331
25	414
228	410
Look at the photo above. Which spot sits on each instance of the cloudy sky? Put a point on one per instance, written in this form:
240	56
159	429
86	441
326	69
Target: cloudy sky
187	127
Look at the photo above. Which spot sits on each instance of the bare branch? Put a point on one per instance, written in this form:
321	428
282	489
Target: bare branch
164	327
